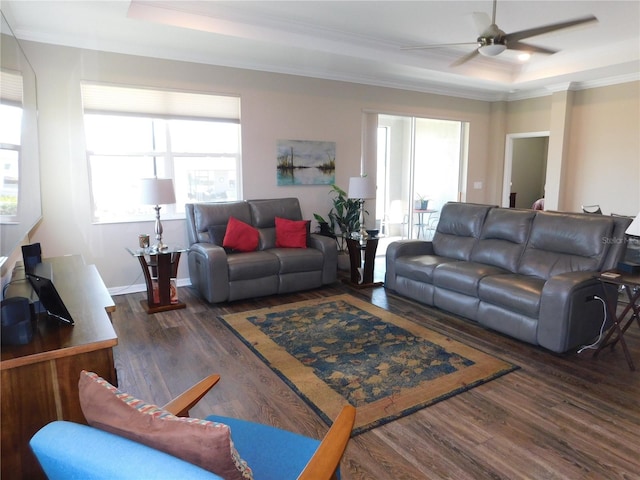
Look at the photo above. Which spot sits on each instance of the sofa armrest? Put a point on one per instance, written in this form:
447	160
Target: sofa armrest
70	450
329	249
208	271
403	248
570	315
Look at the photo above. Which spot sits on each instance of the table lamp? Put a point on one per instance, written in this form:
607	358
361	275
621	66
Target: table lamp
157	191
362	188
631	262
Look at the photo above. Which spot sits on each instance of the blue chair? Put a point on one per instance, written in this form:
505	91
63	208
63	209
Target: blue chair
70	451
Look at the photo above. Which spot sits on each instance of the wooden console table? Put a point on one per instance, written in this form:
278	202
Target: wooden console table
40	379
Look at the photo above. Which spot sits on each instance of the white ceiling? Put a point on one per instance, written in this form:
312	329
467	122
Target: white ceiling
356	41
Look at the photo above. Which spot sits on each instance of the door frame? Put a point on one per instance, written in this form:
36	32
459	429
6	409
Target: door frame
508	160
370	153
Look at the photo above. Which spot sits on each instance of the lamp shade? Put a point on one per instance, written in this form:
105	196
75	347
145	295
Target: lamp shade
157	191
362	187
634	228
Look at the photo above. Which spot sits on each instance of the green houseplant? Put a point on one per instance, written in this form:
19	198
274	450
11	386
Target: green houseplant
343	218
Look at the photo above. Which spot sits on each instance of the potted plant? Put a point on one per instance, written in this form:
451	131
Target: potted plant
343	218
421	203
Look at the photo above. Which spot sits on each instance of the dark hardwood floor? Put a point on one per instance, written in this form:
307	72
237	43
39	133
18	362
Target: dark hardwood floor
557	417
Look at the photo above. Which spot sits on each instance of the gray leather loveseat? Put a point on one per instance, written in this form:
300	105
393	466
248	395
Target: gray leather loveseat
221	275
528	274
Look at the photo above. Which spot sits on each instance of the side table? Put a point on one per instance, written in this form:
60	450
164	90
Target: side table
158	271
362	272
631	284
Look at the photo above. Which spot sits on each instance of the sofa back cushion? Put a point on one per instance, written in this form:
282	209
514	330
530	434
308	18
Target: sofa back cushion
207	222
566	242
618	242
264	213
504	235
458	229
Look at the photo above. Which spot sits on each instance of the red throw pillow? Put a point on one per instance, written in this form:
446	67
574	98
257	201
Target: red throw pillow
240	236
201	442
291	233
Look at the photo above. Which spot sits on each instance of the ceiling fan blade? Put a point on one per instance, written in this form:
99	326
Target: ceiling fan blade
481	21
465	58
437	45
532	32
525	47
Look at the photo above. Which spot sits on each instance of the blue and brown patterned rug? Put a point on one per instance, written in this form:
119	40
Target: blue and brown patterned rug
340	349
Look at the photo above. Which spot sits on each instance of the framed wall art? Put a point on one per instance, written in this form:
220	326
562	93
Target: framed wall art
306	162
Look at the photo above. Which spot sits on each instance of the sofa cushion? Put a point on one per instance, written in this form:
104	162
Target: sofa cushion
291	233
504	235
240	236
458	229
252	265
264	212
518	293
298	259
561	243
463	277
201	442
216	234
206	215
419	267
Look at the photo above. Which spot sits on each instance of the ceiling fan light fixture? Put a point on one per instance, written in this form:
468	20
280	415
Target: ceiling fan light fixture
491	50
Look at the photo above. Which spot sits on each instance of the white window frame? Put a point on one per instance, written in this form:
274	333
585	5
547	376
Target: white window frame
163	106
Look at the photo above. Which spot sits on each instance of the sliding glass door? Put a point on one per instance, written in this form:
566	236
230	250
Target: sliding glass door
419	169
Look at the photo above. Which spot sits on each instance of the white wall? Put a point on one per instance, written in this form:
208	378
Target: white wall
603	148
601	162
273	107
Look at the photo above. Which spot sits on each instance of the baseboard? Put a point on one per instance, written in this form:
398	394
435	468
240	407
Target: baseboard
141	287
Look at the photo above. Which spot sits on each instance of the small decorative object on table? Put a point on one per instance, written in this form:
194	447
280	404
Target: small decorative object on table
143	240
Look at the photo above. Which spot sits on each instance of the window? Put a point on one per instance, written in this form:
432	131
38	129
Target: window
10	144
200	153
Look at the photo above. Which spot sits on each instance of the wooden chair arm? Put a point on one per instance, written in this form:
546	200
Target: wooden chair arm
325	461
181	405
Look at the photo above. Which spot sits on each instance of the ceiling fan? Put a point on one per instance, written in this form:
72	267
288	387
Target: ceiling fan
493	41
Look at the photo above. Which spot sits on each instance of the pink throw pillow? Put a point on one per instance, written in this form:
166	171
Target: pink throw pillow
201	442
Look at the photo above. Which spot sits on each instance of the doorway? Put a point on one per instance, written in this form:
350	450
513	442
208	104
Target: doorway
525	169
419	168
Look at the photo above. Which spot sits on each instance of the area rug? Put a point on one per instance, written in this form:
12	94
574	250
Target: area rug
340	349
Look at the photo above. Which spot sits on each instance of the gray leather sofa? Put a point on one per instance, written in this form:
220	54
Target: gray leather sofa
221	276
528	274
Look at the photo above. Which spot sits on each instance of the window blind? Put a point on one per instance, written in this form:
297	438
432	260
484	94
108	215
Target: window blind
163	103
11	87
